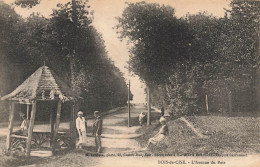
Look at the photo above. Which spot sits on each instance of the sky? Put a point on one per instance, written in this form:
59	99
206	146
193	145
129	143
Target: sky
105	12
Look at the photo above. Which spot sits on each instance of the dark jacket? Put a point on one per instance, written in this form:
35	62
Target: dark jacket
162	111
97	126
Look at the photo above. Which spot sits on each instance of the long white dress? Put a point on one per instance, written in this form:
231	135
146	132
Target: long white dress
160	136
81	127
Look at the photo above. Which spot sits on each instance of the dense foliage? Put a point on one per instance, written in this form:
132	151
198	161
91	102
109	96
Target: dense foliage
156	35
183	60
69	45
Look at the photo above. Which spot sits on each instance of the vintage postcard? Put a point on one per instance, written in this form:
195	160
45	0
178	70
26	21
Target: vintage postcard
129	83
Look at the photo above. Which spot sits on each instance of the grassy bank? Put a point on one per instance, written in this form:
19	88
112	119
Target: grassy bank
232	135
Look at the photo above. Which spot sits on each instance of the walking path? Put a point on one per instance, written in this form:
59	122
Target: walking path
116	136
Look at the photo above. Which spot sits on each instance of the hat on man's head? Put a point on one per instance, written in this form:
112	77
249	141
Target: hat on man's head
80	113
162	119
96	112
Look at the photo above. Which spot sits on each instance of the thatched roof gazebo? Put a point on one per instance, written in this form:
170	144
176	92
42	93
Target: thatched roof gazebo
42	85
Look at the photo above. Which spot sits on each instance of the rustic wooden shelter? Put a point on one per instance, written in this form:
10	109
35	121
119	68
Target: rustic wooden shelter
42	85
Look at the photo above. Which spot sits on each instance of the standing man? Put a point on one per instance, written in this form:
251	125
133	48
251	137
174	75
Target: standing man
97	130
81	126
162	111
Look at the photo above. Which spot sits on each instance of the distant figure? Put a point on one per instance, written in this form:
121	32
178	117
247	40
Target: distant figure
162	111
81	126
160	135
97	130
24	125
171	113
142	118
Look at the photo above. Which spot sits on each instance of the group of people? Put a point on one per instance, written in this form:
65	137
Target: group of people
81	125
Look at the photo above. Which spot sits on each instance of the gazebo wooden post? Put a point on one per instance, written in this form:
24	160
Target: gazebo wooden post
27	111
30	130
27	116
52	126
10	127
56	128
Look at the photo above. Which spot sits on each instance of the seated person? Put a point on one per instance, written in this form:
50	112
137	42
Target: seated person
142	118
160	135
23	126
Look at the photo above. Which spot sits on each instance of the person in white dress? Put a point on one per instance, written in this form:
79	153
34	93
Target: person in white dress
81	125
163	132
142	118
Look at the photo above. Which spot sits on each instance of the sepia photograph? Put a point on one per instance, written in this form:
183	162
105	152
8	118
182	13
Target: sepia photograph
129	83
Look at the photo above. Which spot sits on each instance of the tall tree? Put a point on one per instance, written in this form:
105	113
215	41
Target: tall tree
10	26
75	50
243	46
158	38
27	3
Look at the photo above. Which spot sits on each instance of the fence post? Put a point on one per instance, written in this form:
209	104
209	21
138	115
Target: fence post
230	101
207	103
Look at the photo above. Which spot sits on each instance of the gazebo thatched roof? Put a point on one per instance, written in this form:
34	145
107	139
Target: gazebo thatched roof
43	84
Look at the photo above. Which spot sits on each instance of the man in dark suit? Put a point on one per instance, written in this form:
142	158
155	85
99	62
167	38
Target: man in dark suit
162	111
97	130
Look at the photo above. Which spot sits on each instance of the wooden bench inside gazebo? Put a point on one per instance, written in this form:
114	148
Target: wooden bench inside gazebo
42	85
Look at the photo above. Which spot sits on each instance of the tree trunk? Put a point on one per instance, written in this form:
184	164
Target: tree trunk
56	128
74	18
52	125
129	105
73	112
149	106
258	70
